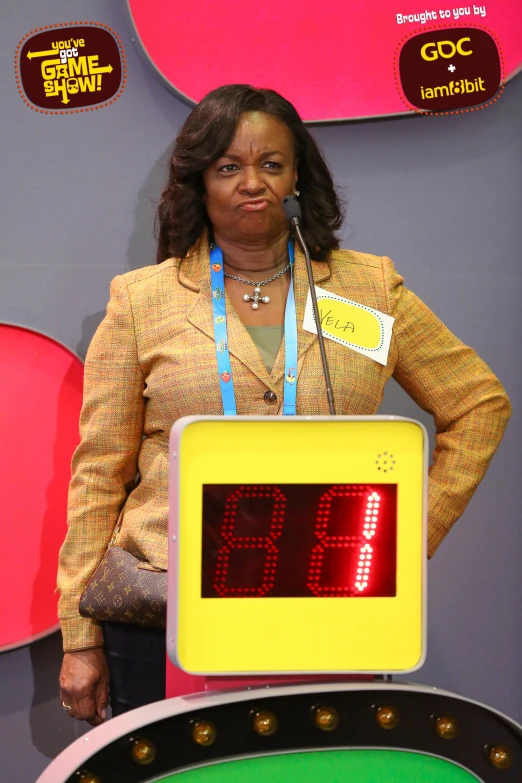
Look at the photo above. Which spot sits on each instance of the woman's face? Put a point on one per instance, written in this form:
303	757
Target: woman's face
245	187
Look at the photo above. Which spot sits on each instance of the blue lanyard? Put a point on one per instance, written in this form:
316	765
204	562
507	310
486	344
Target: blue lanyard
226	382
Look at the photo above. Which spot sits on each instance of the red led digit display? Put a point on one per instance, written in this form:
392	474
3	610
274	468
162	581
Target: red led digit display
299	540
265	543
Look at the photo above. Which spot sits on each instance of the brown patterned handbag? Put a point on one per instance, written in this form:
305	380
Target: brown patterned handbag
125	589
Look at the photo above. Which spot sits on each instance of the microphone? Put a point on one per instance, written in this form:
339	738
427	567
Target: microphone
292	211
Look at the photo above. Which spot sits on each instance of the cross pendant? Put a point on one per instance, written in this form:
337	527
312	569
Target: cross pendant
255	298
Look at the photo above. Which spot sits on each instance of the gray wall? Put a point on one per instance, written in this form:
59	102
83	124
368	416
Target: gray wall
440	195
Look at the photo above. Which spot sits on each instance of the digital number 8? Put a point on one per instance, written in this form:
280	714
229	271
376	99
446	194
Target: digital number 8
231	541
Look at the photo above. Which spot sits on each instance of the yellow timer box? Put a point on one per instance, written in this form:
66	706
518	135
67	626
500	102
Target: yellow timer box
297	545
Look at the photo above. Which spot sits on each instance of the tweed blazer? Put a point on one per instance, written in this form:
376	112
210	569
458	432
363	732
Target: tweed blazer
152	360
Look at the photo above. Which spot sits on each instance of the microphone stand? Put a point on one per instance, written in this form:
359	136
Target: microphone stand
294	221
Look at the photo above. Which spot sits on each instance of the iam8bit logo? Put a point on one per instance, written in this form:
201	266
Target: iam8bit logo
449	69
70	67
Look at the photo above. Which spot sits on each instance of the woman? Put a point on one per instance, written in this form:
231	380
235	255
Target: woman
153	359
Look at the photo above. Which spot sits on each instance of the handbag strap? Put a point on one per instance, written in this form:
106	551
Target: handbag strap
116	531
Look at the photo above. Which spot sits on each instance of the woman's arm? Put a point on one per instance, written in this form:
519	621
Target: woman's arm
104	465
467	401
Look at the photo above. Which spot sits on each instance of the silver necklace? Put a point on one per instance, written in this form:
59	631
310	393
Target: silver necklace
256	297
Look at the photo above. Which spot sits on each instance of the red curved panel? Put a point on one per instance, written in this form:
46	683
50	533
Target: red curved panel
333	59
40	402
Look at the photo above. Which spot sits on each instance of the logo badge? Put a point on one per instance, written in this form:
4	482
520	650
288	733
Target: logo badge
70	68
450	69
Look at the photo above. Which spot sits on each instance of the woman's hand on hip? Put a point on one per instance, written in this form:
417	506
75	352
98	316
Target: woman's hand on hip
84	685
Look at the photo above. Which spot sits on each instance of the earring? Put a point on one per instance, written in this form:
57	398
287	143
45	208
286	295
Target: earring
297	193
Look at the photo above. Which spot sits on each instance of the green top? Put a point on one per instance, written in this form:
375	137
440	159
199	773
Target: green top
330	766
267	339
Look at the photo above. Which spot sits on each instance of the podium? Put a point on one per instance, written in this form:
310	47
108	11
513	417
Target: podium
297	546
297	559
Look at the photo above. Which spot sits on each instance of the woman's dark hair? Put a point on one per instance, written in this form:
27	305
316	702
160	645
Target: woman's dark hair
206	134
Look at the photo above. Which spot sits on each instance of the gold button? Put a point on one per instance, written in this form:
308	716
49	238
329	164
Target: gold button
88	777
446	727
500	756
203	732
387	717
143	751
265	723
326	718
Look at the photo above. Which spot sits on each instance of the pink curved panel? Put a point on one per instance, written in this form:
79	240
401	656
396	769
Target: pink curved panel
333	59
40	402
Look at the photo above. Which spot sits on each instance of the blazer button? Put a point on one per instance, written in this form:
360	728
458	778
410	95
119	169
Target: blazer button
270	398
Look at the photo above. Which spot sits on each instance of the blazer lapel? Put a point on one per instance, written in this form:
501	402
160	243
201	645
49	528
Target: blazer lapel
194	274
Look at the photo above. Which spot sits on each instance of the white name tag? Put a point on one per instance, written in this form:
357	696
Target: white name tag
354	325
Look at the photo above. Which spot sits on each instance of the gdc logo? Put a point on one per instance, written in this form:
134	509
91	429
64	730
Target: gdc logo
447	49
450	69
